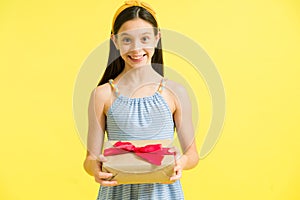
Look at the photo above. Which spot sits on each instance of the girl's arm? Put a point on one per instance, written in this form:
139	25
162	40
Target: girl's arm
96	131
185	130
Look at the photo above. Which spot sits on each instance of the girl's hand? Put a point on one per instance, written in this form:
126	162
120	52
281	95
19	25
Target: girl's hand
101	176
179	166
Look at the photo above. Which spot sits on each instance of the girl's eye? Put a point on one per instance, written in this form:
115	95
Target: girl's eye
126	40
145	39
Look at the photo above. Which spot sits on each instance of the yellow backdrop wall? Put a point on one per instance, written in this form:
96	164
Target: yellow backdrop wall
254	44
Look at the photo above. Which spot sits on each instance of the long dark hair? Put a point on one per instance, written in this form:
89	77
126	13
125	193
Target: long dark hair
116	64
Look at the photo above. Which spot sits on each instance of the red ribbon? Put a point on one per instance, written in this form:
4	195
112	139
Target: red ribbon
152	153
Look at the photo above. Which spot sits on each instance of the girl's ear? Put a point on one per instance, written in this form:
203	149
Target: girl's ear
114	39
157	38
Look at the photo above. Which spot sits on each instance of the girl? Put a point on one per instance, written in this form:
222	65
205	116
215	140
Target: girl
133	101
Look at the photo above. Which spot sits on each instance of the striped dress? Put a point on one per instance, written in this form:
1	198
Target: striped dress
142	118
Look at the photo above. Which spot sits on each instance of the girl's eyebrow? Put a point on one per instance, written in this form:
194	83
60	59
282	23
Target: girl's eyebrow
122	34
146	33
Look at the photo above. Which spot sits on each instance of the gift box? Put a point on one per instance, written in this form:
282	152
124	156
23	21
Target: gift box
139	161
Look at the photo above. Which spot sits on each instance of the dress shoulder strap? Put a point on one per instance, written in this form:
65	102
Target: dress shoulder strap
162	85
114	87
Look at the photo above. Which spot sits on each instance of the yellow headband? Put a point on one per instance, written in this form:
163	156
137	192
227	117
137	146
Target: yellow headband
131	3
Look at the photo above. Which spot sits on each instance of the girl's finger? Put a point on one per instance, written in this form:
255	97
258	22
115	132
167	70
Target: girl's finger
177	168
109	183
178	173
175	177
106	183
104	175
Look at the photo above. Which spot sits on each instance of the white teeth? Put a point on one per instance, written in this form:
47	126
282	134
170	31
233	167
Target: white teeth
136	57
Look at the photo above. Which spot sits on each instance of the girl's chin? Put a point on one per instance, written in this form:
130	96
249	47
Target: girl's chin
137	62
136	65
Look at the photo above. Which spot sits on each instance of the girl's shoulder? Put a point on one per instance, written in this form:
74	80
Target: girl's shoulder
177	93
104	96
176	88
102	93
103	90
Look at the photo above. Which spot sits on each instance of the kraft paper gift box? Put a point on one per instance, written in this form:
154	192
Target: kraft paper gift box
132	168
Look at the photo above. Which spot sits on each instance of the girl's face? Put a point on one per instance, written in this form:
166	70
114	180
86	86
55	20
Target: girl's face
136	41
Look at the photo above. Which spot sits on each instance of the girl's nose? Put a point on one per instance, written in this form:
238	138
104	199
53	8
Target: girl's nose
136	45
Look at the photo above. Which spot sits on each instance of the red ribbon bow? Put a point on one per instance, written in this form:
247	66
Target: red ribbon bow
153	153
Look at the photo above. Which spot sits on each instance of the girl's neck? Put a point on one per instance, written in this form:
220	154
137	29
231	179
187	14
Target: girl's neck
139	74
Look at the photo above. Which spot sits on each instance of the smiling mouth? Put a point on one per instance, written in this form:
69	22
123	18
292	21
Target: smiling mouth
137	58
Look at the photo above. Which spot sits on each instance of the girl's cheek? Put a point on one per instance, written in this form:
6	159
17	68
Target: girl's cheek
124	50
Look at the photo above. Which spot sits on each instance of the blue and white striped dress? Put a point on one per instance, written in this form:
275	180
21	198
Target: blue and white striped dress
140	119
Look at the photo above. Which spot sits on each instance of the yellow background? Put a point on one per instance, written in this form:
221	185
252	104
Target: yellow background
254	44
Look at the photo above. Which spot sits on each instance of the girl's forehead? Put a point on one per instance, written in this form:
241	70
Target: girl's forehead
136	32
135	26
